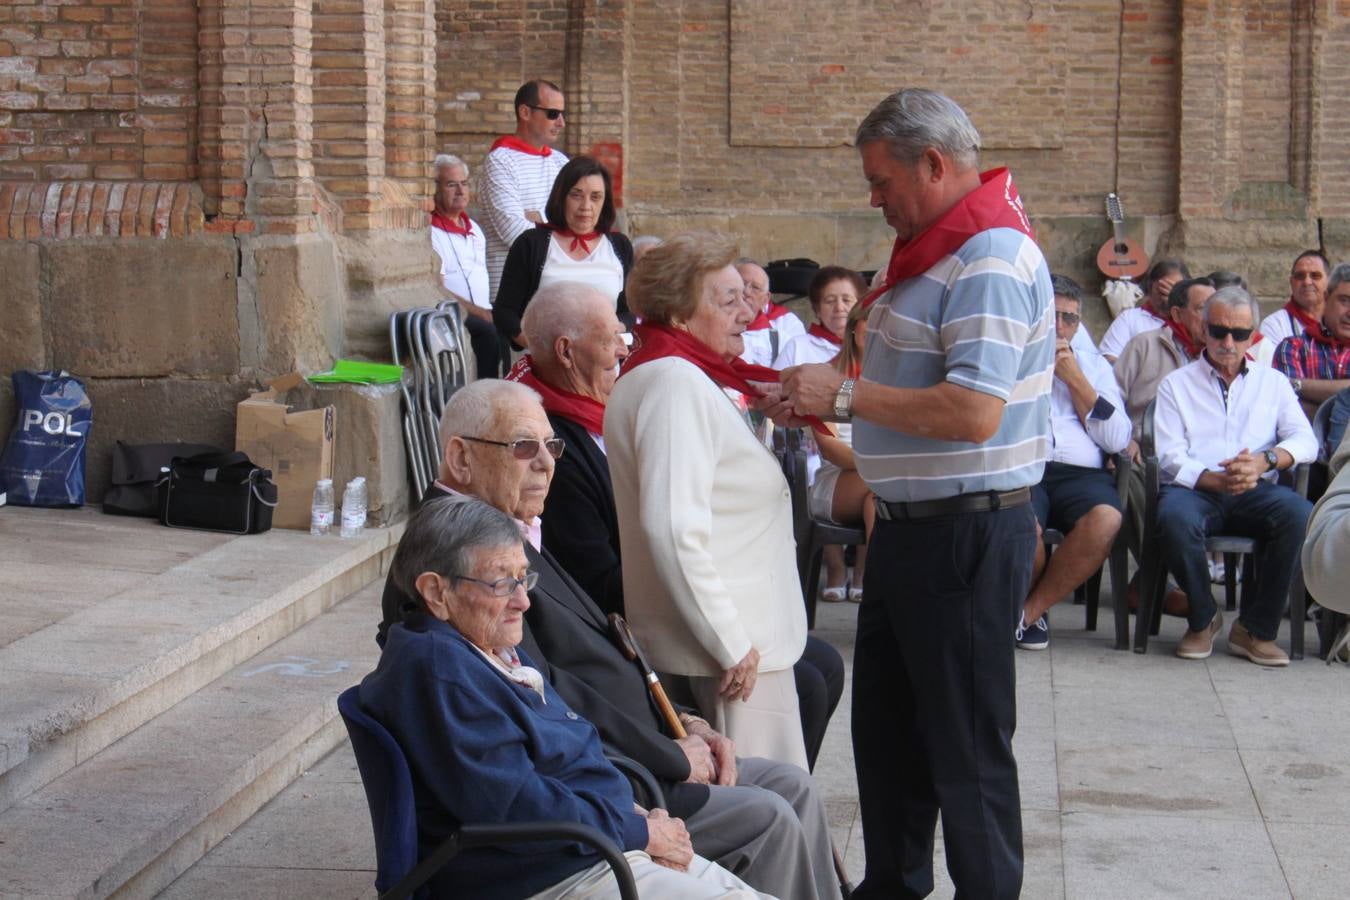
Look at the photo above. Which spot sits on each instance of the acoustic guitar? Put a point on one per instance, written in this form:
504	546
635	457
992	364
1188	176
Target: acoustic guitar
1121	257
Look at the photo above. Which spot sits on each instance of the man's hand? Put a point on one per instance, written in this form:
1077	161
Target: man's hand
1135	454
1243	472
810	390
668	841
534	216
702	769
723	751
738	682
476	312
1066	365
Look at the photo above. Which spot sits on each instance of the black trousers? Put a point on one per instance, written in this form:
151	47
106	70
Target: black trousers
486	346
820	683
935	704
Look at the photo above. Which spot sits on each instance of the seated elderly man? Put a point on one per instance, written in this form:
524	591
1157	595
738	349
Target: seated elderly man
490	741
1223	430
773	325
1076	496
760	819
1318	360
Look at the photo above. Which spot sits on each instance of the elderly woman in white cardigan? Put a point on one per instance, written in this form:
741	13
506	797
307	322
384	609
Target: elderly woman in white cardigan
705	521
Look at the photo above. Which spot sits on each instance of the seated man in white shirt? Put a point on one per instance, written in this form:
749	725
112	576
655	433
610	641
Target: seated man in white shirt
1076	496
459	242
1222	430
773	325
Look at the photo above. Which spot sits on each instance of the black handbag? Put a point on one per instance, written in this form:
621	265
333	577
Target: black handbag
218	492
136	471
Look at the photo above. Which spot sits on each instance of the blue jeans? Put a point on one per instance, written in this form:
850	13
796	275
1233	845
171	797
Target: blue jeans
1273	515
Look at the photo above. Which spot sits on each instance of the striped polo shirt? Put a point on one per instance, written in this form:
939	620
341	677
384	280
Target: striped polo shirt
510	183
981	318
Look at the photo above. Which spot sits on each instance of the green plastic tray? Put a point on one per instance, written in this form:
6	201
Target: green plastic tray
355	371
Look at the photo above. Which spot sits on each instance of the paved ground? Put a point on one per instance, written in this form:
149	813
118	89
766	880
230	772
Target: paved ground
1142	776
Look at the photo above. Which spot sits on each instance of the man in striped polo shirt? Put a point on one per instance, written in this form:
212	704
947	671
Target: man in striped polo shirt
519	171
951	425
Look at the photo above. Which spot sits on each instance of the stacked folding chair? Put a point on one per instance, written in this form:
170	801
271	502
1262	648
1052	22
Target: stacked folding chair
428	344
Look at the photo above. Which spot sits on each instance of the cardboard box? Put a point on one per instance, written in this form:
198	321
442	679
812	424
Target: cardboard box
296	446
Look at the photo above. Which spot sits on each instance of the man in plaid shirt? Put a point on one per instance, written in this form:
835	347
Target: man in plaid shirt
1318	365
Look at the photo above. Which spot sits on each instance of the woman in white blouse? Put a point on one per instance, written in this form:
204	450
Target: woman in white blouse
575	244
834	293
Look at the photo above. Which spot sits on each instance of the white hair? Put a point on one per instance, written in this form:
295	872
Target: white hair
645	242
473	408
561	309
1233	297
447	161
914	119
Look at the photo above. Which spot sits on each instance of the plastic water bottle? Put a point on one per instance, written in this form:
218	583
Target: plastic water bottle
321	512
354	507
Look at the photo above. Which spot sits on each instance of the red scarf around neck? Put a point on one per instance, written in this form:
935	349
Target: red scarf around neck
825	334
1301	316
578	240
511	142
994	204
445	223
586	412
655	342
1183	337
764	319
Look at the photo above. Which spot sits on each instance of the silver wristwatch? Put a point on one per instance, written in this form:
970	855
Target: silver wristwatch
1297	385
843	401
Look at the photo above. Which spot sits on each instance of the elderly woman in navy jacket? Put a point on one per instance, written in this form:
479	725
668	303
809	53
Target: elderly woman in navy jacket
489	741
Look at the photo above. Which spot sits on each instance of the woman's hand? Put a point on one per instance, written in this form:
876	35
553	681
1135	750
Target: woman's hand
739	681
668	841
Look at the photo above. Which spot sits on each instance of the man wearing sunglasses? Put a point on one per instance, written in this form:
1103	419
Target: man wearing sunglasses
519	171
1223	430
763	820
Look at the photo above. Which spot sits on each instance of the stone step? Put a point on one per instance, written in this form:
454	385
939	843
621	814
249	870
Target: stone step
132	818
80	682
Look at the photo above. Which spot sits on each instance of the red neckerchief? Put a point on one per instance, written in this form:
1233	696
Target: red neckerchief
1166	320
445	223
588	413
1183	337
1300	315
511	142
825	334
994	204
653	342
578	240
1322	336
765	318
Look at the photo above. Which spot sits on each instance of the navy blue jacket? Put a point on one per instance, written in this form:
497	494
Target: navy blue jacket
485	750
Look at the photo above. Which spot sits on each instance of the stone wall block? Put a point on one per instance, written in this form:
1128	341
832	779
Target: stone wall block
22	346
299	304
143	308
386	272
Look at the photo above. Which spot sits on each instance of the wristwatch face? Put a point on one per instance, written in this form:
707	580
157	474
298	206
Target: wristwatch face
1273	459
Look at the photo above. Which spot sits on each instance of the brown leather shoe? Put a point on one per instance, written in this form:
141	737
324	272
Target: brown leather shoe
1200	644
1241	642
1174	602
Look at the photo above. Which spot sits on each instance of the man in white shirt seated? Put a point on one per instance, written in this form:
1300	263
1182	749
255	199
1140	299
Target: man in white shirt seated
773	325
1076	496
1307	294
1223	428
459	242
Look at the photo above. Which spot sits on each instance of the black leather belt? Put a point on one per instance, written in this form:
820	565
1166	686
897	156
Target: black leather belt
984	501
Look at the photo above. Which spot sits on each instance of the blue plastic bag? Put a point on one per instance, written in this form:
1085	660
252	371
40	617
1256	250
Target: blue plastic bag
43	462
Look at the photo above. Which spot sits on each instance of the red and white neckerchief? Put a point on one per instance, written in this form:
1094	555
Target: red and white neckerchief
578	240
586	412
994	204
462	226
511	142
766	317
1300	316
825	334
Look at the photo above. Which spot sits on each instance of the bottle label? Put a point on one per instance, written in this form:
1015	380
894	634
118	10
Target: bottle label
322	518
353	519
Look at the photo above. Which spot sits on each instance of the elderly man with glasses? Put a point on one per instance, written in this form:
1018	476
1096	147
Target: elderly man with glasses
762	820
1223	430
1076	495
519	171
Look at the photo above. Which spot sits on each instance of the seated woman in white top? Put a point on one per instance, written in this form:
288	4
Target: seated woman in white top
838	494
576	244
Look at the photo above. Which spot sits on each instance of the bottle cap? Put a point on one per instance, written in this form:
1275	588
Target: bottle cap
325	482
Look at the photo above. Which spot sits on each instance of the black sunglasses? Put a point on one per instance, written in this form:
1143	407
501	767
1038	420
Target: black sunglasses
1219	332
1068	318
525	448
550	112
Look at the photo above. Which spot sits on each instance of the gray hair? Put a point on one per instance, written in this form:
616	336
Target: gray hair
914	119
645	242
473	408
449	160
442	535
560	309
1233	297
1338	276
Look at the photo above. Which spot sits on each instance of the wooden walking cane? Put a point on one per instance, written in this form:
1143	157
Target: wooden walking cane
628	645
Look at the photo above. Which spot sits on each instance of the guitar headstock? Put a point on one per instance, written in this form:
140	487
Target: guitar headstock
1115	213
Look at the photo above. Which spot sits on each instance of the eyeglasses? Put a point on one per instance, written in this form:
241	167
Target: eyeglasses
553	114
504	587
525	448
1068	318
1219	332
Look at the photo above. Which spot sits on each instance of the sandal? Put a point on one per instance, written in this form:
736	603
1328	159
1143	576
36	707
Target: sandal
855	595
834	594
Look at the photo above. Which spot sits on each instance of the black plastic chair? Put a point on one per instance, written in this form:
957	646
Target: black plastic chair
393	815
1153	570
1089	592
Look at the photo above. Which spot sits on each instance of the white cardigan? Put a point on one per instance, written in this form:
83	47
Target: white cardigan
705	523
